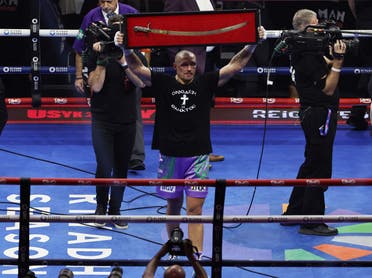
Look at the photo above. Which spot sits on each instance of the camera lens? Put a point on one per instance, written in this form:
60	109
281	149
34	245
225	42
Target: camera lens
176	235
116	272
65	273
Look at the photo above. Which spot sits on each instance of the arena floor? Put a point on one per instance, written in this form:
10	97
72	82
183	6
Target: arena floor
65	151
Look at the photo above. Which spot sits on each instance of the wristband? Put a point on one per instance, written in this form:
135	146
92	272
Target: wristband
77	78
335	69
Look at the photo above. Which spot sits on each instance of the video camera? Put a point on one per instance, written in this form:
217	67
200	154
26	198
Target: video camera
65	273
116	272
177	244
314	39
100	32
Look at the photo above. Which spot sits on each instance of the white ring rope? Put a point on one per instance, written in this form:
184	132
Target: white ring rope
73	33
192	218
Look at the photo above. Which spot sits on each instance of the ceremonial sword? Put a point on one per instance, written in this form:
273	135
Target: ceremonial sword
147	29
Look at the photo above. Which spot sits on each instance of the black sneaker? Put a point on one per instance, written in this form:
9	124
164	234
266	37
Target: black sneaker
100	210
119	224
136	164
319	230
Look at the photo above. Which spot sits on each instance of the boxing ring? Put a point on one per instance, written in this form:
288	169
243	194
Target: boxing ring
258	112
217	219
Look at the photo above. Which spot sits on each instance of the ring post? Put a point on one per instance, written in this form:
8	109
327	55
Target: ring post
35	53
24	228
219	203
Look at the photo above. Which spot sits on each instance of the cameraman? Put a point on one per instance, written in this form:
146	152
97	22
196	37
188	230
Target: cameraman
175	270
113	107
316	78
101	14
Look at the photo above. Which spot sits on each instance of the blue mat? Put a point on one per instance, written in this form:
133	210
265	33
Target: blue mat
66	151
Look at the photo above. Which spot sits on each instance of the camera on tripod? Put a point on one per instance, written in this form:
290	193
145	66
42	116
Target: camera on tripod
315	39
177	244
100	32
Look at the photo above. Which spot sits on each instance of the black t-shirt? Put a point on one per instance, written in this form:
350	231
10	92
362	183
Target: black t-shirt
116	102
182	123
309	74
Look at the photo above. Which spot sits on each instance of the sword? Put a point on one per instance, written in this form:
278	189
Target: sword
147	29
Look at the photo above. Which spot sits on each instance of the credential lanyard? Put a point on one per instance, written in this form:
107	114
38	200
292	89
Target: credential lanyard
325	127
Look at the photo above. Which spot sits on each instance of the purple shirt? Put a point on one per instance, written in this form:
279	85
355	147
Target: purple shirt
95	15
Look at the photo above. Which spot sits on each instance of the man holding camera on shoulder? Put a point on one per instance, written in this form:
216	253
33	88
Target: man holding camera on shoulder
316	79
113	108
101	14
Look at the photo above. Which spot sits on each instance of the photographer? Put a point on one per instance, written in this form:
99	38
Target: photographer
175	270
113	108
316	78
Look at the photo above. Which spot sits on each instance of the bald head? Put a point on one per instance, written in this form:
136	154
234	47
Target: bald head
175	271
185	66
184	55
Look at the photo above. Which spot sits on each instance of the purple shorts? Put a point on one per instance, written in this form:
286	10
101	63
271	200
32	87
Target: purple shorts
195	167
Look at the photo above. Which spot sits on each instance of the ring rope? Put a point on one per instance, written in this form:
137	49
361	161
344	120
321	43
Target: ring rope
192	218
228	263
248	70
56	33
188	182
218	101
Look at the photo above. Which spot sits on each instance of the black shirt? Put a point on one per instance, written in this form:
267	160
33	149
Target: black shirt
309	74
182	123
116	102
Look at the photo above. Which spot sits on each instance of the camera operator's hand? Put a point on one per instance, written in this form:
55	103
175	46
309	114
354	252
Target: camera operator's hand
164	249
189	252
261	33
338	50
189	249
119	39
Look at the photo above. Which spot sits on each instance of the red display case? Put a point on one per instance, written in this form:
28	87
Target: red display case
191	28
